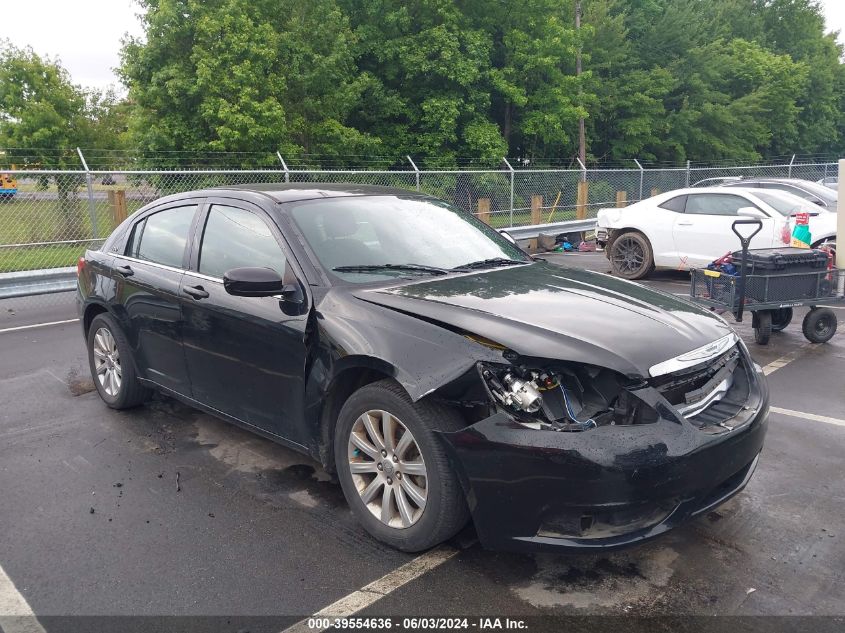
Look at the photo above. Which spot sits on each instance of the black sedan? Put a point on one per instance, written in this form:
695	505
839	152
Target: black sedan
440	371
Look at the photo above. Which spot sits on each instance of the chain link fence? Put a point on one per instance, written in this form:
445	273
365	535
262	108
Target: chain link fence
53	216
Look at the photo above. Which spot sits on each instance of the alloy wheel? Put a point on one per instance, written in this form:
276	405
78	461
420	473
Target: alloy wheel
107	362
388	469
628	255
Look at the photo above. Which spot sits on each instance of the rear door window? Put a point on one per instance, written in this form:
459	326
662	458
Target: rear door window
161	237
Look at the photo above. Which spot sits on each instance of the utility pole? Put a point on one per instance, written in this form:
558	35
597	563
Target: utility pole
582	135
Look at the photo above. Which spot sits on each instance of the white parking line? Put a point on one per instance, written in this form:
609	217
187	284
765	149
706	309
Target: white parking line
17	615
368	594
808	416
35	325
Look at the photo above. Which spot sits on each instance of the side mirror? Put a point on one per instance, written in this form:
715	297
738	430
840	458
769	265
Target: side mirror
507	236
253	282
751	212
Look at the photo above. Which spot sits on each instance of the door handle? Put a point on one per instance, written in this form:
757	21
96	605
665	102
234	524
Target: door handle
126	271
197	292
684	223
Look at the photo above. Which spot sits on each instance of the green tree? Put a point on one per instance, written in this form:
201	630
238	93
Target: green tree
733	100
664	79
538	99
244	76
797	28
423	64
628	116
42	112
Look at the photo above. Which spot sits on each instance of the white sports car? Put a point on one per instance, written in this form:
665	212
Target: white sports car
689	228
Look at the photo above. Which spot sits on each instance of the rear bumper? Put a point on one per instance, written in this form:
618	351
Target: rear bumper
608	487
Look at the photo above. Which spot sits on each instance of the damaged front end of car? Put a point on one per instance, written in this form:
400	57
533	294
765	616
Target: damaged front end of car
572	455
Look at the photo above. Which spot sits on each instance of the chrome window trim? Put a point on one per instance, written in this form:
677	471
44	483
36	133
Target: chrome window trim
697	356
154	264
194	273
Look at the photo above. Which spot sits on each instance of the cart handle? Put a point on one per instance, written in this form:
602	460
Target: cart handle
746	240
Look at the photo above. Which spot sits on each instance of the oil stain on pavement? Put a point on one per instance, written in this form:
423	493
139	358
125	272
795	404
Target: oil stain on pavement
608	581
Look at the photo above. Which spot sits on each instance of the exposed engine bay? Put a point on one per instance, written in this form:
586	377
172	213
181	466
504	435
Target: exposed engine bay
566	398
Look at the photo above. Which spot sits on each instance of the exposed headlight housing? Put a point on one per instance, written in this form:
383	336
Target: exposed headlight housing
566	397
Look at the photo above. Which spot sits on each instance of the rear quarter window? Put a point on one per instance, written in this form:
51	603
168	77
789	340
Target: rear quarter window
676	204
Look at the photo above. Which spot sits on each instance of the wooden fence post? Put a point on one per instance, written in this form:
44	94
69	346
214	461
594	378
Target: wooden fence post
536	218
581	202
536	209
621	198
484	210
117	202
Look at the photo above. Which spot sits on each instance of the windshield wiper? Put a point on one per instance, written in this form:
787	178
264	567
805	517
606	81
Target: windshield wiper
490	263
374	268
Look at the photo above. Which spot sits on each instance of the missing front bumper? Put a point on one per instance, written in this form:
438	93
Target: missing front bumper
609	487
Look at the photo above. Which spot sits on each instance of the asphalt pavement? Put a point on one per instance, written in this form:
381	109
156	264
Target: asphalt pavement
166	511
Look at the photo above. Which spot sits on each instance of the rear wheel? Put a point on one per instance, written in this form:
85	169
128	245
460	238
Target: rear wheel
819	325
393	468
112	365
781	318
631	256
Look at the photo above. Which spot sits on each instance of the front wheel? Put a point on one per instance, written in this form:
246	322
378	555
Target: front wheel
631	256
763	327
393	468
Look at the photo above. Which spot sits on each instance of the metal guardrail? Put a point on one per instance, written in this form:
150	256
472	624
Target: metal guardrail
553	228
37	282
53	280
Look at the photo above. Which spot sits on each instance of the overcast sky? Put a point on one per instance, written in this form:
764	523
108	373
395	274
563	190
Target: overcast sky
86	34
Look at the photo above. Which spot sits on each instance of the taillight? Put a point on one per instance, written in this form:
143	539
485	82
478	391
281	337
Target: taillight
80	266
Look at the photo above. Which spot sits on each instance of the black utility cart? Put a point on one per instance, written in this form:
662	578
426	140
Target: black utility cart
771	282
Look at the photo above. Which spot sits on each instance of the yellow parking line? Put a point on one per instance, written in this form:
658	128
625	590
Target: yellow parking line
783	361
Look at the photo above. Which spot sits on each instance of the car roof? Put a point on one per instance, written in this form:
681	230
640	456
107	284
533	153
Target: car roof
700	190
793	181
294	192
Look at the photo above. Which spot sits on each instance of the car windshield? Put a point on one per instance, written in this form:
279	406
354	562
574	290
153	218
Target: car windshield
787	203
365	238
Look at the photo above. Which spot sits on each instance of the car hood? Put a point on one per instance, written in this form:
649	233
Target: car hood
547	311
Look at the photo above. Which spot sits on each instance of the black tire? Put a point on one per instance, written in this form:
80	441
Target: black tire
819	325
781	318
445	511
130	392
631	256
763	329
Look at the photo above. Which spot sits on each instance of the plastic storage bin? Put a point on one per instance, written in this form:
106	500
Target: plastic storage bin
782	274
